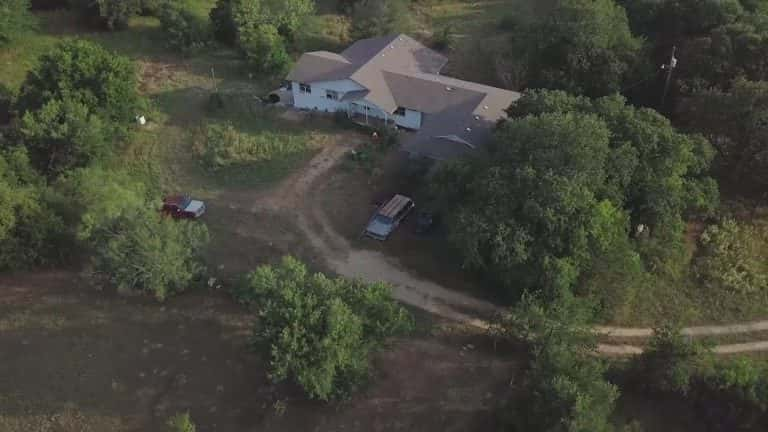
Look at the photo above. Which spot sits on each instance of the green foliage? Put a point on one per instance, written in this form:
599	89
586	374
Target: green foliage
15	20
95	196
320	331
576	42
372	18
110	14
264	49
141	250
83	72
223	145
27	226
231	19
670	362
733	396
563	182
6	102
183	29
445	39
63	135
736	121
564	388
181	423
731	266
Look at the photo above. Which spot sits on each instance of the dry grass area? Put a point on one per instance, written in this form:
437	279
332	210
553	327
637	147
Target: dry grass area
73	359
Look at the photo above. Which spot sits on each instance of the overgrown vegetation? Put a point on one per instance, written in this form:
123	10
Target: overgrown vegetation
184	30
593	171
564	388
728	394
15	20
318	331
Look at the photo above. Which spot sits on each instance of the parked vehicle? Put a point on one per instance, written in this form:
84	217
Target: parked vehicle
425	221
388	217
183	207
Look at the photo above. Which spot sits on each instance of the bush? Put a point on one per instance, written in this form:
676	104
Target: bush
223	23
110	14
731	265
222	145
15	19
141	250
319	331
445	39
153	7
184	31
84	72
181	423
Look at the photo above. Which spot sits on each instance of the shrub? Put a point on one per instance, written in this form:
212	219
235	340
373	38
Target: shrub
223	23
181	423
223	145
184	31
153	7
319	331
141	250
15	19
380	17
84	72
732	259
445	39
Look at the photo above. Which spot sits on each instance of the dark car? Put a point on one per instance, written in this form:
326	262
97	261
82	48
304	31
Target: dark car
425	221
388	217
183	207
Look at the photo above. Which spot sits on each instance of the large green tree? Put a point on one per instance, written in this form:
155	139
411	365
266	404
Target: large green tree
319	331
736	122
562	183
63	135
582	46
231	18
83	72
110	14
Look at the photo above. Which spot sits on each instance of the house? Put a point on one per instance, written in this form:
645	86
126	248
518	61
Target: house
396	81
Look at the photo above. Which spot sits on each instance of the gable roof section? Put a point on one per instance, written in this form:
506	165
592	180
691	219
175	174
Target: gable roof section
321	66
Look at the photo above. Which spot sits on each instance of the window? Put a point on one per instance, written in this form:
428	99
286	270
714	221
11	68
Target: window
400	111
332	95
305	88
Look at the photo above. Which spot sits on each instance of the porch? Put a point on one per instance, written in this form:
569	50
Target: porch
368	116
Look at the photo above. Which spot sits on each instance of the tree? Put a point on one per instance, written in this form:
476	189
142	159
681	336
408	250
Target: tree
232	18
15	19
265	50
736	122
576	42
320	331
733	396
111	14
671	362
27	226
142	250
83	72
380	17
63	135
564	388
94	196
183	29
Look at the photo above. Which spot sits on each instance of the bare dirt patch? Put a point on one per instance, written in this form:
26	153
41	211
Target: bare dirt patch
110	363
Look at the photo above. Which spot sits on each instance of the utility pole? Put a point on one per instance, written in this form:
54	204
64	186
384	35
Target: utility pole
669	68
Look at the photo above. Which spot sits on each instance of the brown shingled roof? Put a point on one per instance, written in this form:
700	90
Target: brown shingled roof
398	71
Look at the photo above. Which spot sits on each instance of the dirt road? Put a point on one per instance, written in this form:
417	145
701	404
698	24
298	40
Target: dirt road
297	196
